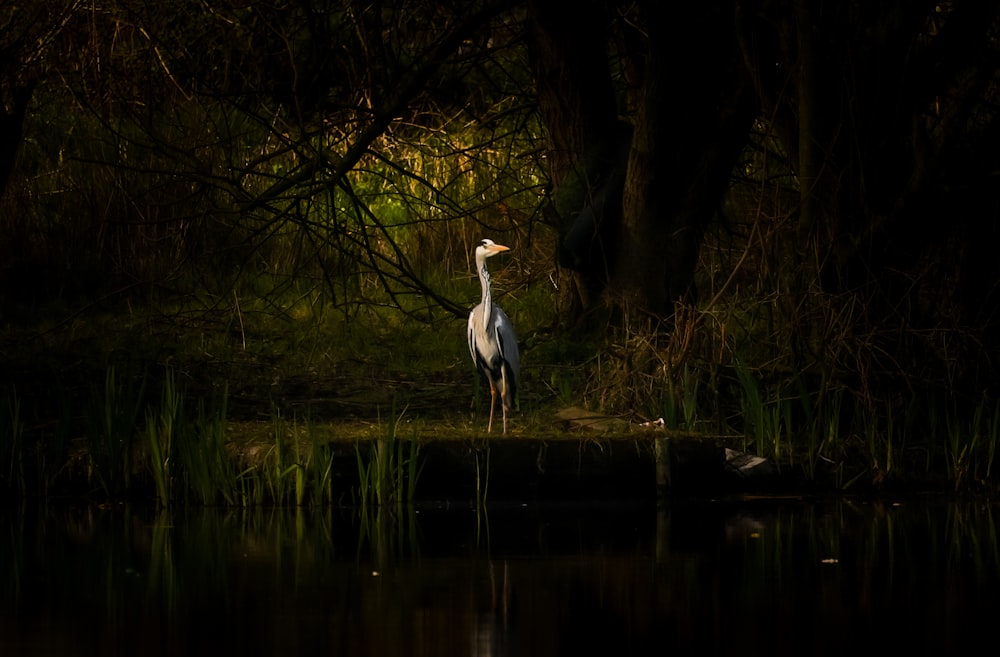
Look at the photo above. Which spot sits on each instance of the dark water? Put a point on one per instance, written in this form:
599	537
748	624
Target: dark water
699	577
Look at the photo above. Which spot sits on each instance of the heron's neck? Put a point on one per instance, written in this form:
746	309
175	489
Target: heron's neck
484	280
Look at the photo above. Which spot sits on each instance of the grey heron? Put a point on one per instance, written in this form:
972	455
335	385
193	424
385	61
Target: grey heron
492	341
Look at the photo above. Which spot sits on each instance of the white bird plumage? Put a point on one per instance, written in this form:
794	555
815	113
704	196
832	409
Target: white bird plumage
492	341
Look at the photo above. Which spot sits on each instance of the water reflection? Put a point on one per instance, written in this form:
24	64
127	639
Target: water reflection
764	577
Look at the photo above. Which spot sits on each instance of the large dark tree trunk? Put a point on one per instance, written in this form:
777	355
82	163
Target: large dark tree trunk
695	111
586	141
632	201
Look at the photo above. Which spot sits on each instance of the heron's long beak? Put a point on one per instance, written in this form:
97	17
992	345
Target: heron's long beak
498	248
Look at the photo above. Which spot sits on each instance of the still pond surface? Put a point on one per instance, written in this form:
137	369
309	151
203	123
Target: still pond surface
764	577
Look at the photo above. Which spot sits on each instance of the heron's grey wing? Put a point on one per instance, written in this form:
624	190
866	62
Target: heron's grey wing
507	341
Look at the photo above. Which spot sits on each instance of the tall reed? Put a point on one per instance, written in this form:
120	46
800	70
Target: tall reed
389	471
320	467
971	446
824	430
111	429
762	417
209	469
282	476
679	404
162	426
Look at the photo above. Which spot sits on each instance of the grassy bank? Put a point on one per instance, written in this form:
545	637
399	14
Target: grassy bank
158	439
236	400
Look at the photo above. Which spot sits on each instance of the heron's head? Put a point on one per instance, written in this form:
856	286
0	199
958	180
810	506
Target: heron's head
488	248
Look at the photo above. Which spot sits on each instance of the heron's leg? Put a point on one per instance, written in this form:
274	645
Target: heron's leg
505	400
493	402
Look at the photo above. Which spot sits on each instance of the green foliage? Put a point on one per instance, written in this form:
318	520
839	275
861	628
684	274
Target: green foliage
897	446
822	434
112	418
970	446
319	469
210	472
389	471
188	457
162	427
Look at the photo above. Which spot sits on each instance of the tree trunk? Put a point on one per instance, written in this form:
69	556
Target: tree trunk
585	163
691	126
